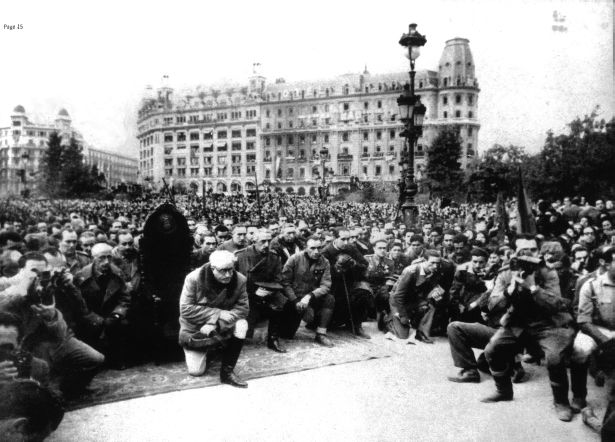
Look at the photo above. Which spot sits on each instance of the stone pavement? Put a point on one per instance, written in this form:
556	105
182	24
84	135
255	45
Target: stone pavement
405	397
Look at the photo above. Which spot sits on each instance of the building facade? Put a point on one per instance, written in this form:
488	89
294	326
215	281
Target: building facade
225	138
118	169
23	143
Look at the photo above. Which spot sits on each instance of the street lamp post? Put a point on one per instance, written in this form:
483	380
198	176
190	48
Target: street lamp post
324	153
412	112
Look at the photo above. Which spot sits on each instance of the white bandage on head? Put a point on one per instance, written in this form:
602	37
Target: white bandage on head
101	249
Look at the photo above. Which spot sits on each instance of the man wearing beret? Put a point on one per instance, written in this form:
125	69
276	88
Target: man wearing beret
213	310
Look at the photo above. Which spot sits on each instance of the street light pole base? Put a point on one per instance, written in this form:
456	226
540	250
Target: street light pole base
410	213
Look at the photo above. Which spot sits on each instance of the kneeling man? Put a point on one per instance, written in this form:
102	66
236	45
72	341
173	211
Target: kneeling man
213	310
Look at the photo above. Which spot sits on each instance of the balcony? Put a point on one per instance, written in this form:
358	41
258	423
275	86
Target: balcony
344	157
377	154
364	155
267	160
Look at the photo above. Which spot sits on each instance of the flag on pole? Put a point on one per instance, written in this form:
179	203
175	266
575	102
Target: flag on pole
526	222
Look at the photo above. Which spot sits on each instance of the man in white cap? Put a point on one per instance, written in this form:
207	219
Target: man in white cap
213	309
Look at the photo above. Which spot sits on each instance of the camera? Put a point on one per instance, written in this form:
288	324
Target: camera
525	264
20	358
44	286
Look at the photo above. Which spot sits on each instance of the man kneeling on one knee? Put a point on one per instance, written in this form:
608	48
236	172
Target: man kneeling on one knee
213	311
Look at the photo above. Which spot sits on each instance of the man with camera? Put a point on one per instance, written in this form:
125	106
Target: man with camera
45	334
537	314
16	363
263	270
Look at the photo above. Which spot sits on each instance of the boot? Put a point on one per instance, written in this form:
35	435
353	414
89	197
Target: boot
360	333
578	385
422	337
466	375
518	372
274	344
323	340
560	401
381	316
229	360
503	390
591	420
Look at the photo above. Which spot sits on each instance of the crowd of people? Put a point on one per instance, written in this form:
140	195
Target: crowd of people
74	299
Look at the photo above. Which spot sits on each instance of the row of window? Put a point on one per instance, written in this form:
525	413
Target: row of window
457	114
194	161
208	135
195	119
345	106
208	171
458	99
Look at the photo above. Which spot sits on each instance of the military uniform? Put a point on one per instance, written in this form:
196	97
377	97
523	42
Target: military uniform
262	270
75	263
380	275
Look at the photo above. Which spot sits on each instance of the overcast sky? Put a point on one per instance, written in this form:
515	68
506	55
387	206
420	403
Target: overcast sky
96	59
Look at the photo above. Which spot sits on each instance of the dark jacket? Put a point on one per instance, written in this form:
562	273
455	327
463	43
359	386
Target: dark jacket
115	299
302	276
256	267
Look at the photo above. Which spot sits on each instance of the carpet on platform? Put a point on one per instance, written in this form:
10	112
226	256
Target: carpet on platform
256	361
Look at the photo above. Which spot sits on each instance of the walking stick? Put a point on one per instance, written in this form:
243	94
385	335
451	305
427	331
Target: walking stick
348	302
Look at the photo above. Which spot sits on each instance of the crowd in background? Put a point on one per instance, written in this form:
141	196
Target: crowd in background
73	300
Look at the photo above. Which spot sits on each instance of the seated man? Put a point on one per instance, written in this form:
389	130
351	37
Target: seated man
596	319
306	278
263	270
45	333
103	289
213	309
468	286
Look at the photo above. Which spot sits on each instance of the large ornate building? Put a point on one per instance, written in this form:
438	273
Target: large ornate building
23	143
225	138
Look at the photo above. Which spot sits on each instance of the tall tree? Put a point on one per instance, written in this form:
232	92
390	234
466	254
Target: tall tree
443	167
497	172
51	165
580	162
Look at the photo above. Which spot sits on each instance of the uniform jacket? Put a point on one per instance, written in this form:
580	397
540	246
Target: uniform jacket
467	286
379	270
412	289
543	308
302	276
76	263
285	250
130	269
115	300
255	266
203	298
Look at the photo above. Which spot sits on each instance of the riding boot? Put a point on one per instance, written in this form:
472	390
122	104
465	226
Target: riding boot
578	385
230	356
273	332
503	389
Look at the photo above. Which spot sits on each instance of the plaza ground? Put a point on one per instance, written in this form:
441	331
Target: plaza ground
403	397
